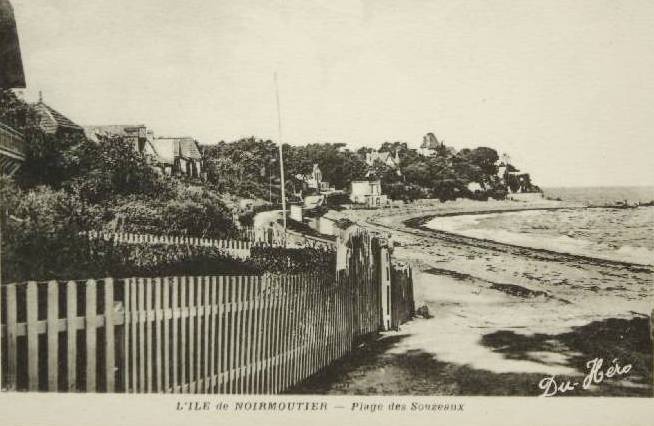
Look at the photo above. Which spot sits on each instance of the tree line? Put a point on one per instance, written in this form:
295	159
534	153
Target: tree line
249	167
69	184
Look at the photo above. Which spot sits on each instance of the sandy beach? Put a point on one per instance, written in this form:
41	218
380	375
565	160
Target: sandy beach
502	319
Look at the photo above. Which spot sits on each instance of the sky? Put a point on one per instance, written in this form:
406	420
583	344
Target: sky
564	87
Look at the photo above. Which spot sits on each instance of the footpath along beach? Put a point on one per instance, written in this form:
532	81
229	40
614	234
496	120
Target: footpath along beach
502	318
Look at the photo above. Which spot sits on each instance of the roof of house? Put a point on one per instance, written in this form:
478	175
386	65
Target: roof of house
58	118
382	156
164	149
92	132
188	148
170	148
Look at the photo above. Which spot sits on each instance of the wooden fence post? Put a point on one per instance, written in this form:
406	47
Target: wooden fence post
167	317
142	317
12	333
71	335
32	337
222	336
247	335
256	353
91	332
385	282
183	349
158	317
126	332
148	317
213	352
53	336
206	283
238	357
136	347
109	337
275	334
192	315
233	339
176	318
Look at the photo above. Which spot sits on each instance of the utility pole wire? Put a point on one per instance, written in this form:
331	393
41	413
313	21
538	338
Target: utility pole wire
281	155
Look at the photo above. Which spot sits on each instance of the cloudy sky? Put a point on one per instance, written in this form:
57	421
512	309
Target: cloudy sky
565	87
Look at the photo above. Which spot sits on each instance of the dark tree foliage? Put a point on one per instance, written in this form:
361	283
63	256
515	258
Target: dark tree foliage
15	112
40	231
113	168
444	175
283	260
245	167
249	167
50	160
339	165
188	211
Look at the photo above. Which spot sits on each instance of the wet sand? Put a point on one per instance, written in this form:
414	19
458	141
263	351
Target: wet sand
503	318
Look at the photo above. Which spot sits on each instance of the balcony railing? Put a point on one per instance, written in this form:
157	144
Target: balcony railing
12	143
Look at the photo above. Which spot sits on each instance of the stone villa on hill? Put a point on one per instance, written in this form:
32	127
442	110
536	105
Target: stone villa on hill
430	145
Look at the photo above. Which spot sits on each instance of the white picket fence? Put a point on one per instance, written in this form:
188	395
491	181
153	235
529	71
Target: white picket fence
234	248
227	334
239	249
276	236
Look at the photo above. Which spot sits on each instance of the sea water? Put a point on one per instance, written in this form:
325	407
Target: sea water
625	235
602	195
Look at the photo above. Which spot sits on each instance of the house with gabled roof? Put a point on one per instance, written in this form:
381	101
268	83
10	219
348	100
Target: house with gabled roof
172	155
385	157
312	182
178	155
53	122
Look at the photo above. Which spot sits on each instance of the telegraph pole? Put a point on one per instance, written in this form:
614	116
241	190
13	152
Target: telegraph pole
281	154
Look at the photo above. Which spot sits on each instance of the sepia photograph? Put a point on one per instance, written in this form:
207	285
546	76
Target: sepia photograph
336	199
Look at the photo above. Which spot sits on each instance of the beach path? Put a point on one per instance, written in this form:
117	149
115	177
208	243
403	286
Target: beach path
500	323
